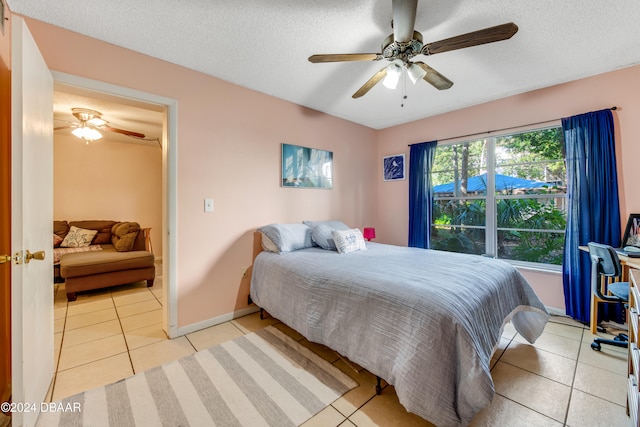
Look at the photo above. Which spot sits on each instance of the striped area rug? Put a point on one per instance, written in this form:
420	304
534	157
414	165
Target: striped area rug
261	379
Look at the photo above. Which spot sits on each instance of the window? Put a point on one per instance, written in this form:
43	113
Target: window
502	196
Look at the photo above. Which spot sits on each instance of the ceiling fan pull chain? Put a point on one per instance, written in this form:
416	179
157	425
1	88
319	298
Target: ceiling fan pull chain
404	89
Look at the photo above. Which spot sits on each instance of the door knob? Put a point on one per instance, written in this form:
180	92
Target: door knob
5	258
36	255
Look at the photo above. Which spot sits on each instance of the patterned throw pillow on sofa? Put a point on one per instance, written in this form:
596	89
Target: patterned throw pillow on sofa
78	238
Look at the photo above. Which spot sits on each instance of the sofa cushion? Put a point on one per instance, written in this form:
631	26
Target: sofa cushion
57	240
89	263
102	226
58	252
78	237
123	235
61	228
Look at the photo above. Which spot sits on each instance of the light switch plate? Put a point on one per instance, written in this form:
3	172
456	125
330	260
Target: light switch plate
208	205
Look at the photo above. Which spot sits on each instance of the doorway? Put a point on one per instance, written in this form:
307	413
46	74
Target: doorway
168	146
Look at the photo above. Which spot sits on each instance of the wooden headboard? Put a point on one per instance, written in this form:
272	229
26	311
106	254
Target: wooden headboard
257	244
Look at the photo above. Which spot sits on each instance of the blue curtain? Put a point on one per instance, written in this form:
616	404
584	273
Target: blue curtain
593	211
421	193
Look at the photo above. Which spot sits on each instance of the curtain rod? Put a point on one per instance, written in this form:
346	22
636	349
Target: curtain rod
500	130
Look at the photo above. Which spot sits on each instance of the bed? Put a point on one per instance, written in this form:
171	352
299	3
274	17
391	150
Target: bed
425	321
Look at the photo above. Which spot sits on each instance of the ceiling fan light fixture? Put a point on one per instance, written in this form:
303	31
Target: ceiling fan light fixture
393	76
415	73
87	133
93	134
97	121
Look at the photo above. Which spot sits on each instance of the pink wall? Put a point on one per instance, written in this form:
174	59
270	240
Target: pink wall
229	150
620	88
108	180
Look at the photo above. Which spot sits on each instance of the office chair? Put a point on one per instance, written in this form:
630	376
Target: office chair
605	268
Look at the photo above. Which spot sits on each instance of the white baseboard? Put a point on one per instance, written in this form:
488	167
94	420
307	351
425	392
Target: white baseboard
554	311
216	320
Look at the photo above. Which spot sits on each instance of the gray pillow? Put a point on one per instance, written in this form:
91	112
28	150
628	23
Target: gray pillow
284	238
321	232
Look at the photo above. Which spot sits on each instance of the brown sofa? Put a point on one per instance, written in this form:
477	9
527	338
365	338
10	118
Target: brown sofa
119	253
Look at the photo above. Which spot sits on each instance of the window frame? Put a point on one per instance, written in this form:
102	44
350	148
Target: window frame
491	198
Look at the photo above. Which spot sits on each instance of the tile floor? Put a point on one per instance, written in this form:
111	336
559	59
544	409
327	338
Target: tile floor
109	335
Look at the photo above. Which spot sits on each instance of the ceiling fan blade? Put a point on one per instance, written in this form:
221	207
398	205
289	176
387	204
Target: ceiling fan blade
434	78
404	19
370	83
344	57
474	38
122	131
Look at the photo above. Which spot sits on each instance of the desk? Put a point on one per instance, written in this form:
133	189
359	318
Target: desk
627	263
633	391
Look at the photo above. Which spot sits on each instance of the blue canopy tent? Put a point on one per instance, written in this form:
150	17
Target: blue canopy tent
503	182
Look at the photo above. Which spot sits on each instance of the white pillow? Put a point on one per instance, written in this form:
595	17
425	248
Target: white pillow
78	237
349	240
321	232
282	238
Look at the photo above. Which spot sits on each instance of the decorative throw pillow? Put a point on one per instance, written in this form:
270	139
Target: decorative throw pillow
104	229
321	232
61	228
78	238
123	235
57	240
282	238
349	240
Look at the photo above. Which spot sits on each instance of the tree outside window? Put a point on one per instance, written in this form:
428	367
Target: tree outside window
502	196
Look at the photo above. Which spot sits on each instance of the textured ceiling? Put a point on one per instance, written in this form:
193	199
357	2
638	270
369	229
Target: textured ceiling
264	45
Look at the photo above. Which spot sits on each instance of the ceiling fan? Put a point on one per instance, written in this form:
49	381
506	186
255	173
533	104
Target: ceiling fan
404	44
91	123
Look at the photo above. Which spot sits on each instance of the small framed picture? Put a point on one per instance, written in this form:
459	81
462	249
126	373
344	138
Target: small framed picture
632	232
393	167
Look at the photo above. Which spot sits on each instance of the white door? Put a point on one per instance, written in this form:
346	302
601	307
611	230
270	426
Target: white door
32	223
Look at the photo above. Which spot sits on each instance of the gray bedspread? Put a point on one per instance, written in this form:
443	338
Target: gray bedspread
426	321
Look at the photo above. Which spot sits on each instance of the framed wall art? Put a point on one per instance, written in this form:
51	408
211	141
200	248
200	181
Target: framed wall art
304	167
393	167
632	232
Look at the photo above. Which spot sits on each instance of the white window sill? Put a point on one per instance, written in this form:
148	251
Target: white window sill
533	266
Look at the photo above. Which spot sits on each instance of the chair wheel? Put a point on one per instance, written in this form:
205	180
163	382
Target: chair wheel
621	337
596	346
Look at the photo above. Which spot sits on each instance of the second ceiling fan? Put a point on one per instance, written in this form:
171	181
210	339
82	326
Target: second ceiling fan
90	122
405	43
